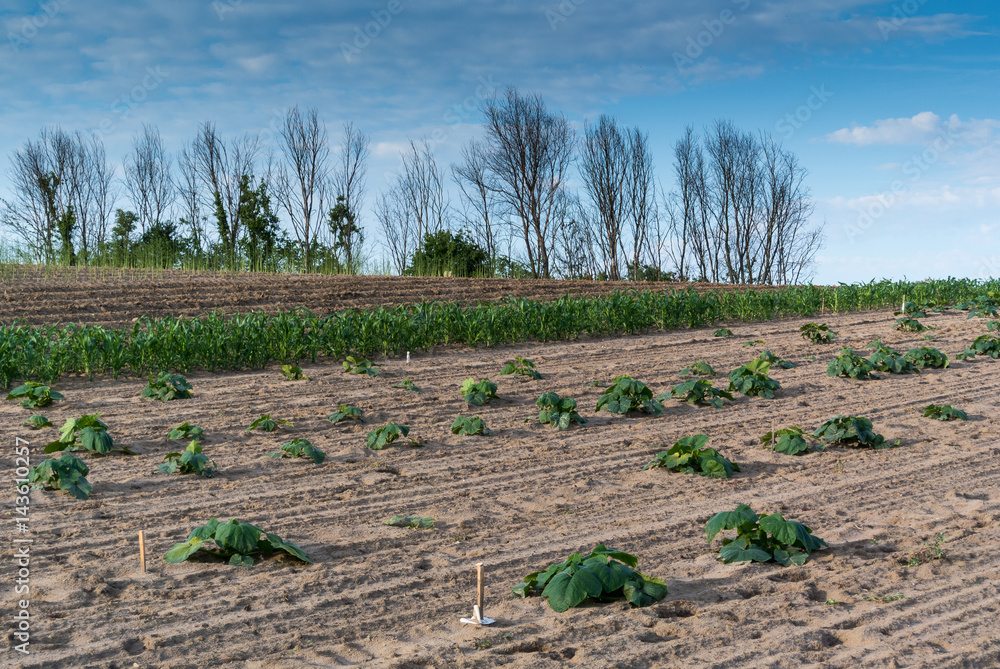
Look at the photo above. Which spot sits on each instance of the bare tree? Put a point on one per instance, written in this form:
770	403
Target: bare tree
396	224
604	166
103	195
528	152
421	187
574	253
640	198
301	182
147	177
481	209
349	186
188	188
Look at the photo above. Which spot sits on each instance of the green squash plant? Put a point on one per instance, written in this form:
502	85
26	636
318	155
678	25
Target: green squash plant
912	310
186	431
982	345
381	437
907	324
346	412
238	542
293	373
604	575
851	365
67	472
521	367
851	431
625	395
34	395
774	360
471	426
884	358
817	334
407	384
926	356
698	369
558	411
791	440
359	365
412	522
690	456
87	432
478	393
943	413
697	391
723	332
191	461
166	387
300	448
267	424
762	538
37	422
752	379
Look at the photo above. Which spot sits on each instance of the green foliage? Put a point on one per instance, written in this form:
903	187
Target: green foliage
851	431
191	461
37	422
945	412
67	472
359	365
346	412
293	373
625	395
238	542
817	334
790	441
478	393
851	365
762	538
697	391
166	386
929	552
381	437
605	574
884	358
558	411
984	308
447	251
982	345
926	356
753	343
470	425
86	432
412	522
34	395
907	324
723	332
186	431
752	379
774	360
407	384
300	448
698	369
993	326
911	310
521	367
267	424
689	456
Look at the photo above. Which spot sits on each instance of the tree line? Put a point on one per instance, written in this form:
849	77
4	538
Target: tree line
530	196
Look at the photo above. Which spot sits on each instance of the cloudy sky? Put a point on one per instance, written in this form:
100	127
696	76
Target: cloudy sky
891	106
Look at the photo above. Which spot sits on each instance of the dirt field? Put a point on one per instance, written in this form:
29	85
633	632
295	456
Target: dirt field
380	596
118	297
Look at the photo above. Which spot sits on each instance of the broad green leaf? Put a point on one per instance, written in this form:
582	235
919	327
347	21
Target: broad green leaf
236	536
729	520
734	553
181	552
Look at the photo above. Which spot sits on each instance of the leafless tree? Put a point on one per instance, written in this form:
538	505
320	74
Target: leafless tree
397	226
349	189
604	166
147	177
481	211
189	191
576	240
640	197
528	152
103	195
302	180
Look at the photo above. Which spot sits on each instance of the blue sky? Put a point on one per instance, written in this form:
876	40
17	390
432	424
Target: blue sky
891	106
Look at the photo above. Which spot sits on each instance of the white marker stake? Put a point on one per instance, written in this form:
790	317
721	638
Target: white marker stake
142	550
477	611
407	358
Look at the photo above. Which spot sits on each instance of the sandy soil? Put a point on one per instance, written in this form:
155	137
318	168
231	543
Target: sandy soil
117	297
380	596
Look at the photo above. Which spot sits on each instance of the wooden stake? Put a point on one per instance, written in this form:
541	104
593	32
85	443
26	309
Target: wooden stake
822	304
480	589
142	550
774	437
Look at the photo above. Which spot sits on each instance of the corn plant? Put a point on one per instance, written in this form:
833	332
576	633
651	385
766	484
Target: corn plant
851	365
186	431
67	472
237	542
982	345
166	386
346	412
604	574
752	379
690	456
37	422
300	448
359	365
470	425
851	431
884	358
558	411
625	395
698	369
412	522
907	324
926	356
87	432
944	413
817	334
521	367
293	373
34	395
790	441
267	424
191	461
478	393
697	391
762	538
381	437
407	384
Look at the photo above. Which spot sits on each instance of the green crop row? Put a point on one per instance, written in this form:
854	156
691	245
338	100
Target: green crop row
220	343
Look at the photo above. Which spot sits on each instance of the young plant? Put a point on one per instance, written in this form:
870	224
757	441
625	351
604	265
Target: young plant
912	310
851	431
186	431
478	393
817	334
470	425
34	395
360	366
67	472
762	538
753	343
625	395
381	437
558	411
87	432
774	360
944	413
300	448
238	542
407	384
926	356
689	456
191	461
933	551
697	391
907	324
993	326
37	422
752	379
723	332
521	367
790	441
698	369
413	522
984	309
886	359
605	574
851	365
982	345
293	373
346	412
166	386
268	424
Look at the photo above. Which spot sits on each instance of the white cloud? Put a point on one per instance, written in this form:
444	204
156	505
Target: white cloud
923	128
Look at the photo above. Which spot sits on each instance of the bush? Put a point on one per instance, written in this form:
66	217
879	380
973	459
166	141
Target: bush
447	251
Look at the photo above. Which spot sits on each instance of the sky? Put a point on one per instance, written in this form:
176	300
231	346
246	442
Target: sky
892	107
